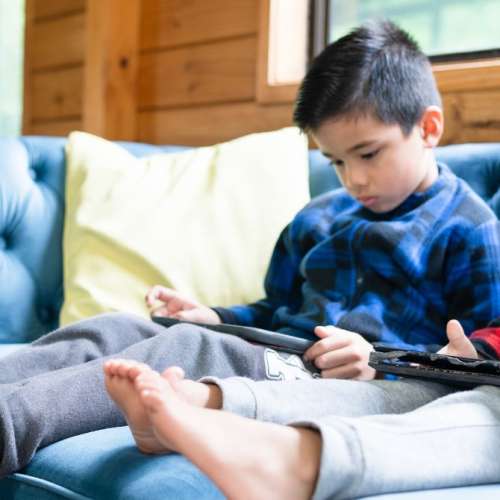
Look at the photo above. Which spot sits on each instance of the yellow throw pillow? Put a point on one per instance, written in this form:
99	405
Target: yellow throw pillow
202	221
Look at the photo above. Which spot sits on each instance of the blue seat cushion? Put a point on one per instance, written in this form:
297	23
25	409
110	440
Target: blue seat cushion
105	465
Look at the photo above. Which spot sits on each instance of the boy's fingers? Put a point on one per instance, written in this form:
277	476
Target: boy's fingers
454	331
457	338
335	358
326	344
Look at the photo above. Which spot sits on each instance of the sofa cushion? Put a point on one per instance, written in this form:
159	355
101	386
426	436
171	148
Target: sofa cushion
105	464
202	221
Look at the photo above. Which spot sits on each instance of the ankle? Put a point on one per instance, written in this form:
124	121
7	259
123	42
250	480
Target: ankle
201	394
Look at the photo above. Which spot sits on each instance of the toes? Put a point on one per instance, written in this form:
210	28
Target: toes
138	369
173	374
153	400
147	380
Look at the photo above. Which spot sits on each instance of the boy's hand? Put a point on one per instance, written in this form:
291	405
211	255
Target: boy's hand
459	344
341	354
178	306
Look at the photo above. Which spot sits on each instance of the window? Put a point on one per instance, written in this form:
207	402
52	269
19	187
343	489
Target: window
445	29
11	65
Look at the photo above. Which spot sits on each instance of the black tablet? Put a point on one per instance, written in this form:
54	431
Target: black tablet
463	372
274	340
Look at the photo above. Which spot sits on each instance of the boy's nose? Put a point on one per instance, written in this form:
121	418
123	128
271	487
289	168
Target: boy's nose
355	177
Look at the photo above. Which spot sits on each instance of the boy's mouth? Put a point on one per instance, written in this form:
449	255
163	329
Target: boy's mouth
367	201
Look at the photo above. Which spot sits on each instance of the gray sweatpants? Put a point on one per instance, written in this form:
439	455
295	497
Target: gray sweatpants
54	388
381	437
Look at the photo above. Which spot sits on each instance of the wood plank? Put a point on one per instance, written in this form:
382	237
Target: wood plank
471	117
56	128
169	23
216	72
58	42
52	8
111	61
204	125
57	94
469	75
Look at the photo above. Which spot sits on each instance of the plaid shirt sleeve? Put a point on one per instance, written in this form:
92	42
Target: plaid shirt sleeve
282	283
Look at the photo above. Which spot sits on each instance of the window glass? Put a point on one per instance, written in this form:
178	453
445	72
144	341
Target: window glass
441	27
11	65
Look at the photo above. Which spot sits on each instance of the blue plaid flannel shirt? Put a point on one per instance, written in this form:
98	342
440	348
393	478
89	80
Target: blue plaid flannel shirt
395	278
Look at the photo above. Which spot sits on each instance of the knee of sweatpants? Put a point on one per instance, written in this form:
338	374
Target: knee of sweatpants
188	332
114	320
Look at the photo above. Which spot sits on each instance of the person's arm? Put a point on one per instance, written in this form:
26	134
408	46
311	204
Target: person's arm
486	341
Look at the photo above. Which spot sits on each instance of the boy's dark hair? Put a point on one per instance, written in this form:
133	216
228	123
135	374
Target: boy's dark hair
377	69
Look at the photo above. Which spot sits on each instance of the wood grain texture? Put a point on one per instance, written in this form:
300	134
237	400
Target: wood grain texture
471	117
111	61
204	125
60	128
57	94
53	8
170	23
58	42
216	72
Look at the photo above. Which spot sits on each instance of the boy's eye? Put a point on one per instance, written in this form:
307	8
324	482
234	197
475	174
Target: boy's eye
337	163
370	155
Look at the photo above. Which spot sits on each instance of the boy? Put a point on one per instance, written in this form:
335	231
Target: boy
390	258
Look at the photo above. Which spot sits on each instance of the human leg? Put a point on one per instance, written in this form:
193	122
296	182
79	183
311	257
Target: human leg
237	453
77	343
452	441
264	400
49	407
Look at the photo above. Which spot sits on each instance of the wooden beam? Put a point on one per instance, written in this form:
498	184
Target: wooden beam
111	61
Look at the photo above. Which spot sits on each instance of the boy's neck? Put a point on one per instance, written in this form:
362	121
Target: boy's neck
431	172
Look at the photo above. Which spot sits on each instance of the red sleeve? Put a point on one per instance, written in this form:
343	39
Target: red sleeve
487	341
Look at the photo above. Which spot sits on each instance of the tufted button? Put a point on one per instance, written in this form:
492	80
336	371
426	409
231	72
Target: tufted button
45	314
359	280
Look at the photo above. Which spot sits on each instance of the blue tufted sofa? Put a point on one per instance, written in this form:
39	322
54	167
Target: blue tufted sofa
105	464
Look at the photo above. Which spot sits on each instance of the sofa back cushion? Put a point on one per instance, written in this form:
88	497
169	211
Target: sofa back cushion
202	221
32	174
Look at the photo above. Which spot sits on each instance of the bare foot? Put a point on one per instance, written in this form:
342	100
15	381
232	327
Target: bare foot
120	377
262	460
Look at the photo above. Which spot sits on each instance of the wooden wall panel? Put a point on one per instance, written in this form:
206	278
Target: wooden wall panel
472	116
170	23
215	72
51	8
196	75
56	127
58	42
210	124
54	59
57	94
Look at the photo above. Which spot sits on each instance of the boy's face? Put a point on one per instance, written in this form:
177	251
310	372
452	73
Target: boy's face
376	162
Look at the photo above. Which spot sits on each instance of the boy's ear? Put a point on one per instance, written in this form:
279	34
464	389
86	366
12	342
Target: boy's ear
432	126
